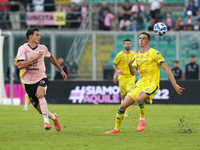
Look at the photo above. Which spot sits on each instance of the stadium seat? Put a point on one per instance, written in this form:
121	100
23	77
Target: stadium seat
183	65
110	1
153	44
193	52
110	62
133	1
172	45
185	45
119	46
145	25
120	1
170	63
174	16
182	14
162	45
183	54
163	74
170	55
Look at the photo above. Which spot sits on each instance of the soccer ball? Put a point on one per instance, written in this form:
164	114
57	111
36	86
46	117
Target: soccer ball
160	29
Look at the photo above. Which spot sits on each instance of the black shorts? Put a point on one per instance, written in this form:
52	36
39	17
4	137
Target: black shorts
31	90
106	28
155	13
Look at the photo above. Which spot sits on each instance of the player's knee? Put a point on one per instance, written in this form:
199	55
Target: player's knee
138	99
122	107
39	95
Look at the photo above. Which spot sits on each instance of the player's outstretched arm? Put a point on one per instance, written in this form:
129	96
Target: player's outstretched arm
53	60
131	69
171	77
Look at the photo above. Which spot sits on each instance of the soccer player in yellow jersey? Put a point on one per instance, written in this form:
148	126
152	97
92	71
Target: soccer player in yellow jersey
20	74
126	80
148	60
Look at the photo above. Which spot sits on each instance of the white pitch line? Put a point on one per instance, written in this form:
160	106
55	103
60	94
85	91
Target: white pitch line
103	127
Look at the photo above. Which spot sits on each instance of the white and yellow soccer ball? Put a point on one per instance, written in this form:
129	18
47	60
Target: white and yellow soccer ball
160	29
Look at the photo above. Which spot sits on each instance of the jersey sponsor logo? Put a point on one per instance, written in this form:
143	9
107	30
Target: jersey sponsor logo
34	63
32	68
126	59
95	94
141	61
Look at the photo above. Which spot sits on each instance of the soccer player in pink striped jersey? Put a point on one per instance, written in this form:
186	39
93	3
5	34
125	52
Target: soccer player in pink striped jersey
31	60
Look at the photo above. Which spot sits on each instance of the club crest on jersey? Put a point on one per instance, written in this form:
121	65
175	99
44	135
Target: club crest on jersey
141	56
42	82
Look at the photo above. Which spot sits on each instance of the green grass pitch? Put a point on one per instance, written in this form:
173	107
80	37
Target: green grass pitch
169	127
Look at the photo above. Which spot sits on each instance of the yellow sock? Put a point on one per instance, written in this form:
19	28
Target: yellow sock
26	99
142	107
119	118
127	109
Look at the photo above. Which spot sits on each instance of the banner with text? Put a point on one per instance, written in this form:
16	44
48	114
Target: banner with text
106	92
45	18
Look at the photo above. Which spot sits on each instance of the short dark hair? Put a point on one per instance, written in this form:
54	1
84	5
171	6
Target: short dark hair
24	41
176	61
61	57
127	1
170	13
31	32
127	40
193	56
149	37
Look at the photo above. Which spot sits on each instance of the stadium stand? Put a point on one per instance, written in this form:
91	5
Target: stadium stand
104	46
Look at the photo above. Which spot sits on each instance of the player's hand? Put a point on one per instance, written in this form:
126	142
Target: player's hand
179	89
115	80
131	61
38	56
119	72
63	75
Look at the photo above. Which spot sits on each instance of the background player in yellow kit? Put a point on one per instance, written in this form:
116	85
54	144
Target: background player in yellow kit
148	60
126	80
20	74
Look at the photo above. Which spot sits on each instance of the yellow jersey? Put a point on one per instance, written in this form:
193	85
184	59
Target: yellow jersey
149	65
20	71
121	60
